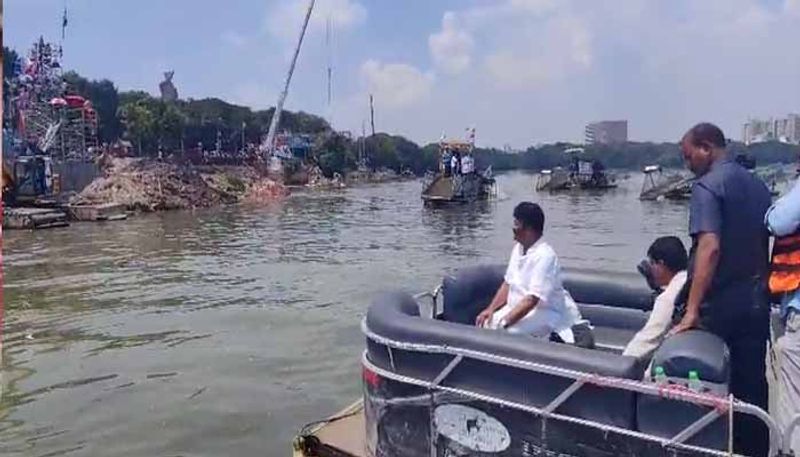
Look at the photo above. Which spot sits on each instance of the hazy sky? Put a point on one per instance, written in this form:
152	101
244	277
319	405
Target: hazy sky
520	71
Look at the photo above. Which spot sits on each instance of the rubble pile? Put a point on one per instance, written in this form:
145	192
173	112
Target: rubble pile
317	180
149	185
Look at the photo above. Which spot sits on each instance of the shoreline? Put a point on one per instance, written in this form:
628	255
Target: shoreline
130	186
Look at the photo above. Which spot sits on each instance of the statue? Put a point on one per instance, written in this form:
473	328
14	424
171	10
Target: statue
168	91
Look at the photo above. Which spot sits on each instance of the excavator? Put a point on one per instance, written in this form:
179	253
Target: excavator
29	178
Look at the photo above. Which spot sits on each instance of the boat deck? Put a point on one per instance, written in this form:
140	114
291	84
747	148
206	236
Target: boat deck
440	189
341	435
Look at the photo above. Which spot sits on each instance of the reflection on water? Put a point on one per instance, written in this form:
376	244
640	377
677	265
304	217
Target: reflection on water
220	332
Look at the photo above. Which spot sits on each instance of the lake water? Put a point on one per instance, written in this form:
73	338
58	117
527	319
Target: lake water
222	331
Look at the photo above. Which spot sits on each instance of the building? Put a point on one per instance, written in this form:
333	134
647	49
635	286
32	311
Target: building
785	130
607	132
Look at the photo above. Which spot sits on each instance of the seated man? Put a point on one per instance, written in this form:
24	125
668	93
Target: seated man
666	270
532	298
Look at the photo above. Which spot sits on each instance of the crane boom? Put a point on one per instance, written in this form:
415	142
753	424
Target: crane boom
276	116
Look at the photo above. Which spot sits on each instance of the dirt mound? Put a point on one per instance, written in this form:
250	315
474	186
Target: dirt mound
149	185
264	190
316	180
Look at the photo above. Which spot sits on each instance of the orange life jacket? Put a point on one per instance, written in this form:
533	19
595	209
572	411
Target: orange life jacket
784	273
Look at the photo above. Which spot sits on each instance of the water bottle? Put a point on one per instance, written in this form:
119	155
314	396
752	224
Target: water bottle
694	382
660	376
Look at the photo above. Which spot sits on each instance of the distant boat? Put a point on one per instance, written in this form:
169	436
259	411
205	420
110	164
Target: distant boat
657	185
581	175
460	184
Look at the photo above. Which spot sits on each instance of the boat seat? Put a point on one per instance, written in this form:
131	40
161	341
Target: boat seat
614	304
613	327
395	316
691	350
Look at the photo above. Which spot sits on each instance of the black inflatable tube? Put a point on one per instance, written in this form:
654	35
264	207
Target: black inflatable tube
395	316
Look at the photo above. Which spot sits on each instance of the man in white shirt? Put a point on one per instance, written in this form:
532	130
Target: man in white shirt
532	298
666	265
467	164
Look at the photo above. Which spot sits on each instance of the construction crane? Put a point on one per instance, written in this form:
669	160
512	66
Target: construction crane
269	144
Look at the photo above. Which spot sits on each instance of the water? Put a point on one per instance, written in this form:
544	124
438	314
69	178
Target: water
222	331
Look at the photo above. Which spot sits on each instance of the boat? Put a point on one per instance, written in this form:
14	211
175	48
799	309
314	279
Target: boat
581	175
657	185
462	185
436	385
769	175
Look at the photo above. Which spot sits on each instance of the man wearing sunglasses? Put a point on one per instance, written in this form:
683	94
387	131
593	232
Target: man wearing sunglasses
532	299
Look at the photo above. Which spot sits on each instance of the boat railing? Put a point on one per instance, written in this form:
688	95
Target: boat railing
721	406
458	184
427	180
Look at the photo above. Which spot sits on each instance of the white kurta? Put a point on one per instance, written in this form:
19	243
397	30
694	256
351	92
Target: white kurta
650	337
537	273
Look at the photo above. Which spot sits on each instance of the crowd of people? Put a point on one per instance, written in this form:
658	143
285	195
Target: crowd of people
725	284
455	163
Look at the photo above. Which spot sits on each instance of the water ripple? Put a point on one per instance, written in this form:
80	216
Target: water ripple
220	331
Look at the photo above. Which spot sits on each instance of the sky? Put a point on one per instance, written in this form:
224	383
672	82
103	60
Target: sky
522	72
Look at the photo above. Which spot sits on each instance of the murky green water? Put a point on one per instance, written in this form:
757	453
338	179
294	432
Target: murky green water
222	331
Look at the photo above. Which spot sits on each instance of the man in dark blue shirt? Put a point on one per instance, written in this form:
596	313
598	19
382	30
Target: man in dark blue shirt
728	271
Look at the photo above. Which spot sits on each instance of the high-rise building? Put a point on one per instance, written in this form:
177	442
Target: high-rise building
606	132
785	130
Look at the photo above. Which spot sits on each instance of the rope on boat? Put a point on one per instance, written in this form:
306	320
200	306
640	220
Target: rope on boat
730	424
308	444
311	427
312	446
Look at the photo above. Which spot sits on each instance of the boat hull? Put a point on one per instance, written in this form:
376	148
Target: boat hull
408	420
456	190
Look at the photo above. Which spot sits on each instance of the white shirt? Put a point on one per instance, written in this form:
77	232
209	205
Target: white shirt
538	273
650	337
467	165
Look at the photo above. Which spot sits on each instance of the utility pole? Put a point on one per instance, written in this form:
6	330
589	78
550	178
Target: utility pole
328	45
362	162
371	115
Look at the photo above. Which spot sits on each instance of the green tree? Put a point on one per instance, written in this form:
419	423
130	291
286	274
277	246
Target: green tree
140	123
10	59
335	153
170	122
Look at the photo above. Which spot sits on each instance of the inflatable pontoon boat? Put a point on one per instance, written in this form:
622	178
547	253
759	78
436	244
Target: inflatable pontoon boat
435	385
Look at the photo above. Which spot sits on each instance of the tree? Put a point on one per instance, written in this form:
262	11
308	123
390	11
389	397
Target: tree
170	121
139	122
10	60
334	153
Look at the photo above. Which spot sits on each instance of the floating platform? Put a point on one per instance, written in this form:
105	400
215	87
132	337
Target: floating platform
103	212
33	218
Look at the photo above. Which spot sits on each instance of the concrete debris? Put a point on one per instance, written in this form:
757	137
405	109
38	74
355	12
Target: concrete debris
149	185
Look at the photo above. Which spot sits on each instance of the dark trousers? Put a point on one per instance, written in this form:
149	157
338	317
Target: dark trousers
584	338
746	336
